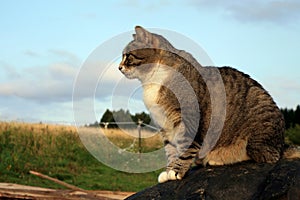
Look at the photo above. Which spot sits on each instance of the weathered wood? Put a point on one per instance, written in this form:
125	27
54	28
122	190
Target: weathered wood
246	180
15	191
67	185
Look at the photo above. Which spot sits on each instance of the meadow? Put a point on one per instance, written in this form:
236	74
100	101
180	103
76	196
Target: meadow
58	152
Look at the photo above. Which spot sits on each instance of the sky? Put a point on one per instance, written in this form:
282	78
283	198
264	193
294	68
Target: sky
44	46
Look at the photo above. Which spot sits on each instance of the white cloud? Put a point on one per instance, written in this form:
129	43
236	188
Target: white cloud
45	93
19	109
99	79
31	53
284	91
274	11
147	5
53	83
65	55
8	72
62	71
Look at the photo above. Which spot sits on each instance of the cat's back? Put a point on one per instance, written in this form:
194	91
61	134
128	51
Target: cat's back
237	78
243	94
254	125
241	88
249	107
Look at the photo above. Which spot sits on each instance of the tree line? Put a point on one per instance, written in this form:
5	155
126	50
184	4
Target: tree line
116	118
291	116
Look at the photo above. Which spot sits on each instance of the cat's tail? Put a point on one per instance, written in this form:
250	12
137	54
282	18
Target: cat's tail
292	152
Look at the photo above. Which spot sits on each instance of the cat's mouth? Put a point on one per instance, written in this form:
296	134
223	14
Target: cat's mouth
128	73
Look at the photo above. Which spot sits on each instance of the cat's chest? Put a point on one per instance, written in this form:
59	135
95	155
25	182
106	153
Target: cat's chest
151	96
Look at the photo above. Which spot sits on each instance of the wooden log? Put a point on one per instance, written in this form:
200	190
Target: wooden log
67	185
16	191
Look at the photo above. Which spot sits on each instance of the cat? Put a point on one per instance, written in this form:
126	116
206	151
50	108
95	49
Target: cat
214	115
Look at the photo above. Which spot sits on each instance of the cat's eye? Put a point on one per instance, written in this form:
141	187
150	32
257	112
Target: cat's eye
131	59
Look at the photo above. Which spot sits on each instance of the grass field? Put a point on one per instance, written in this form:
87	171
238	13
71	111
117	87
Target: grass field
58	152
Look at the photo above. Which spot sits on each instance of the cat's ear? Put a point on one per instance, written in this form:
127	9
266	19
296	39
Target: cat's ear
134	36
142	35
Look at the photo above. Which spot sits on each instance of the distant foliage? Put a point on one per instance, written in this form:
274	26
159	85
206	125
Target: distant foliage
123	116
292	124
291	116
107	116
141	116
293	135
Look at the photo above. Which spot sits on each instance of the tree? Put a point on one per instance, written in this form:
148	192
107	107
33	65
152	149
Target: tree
142	116
293	135
121	116
297	115
107	116
289	117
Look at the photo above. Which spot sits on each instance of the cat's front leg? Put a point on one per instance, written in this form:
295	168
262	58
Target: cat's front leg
179	165
171	153
180	152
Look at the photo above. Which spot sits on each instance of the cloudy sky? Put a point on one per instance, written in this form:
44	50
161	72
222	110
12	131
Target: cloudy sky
44	46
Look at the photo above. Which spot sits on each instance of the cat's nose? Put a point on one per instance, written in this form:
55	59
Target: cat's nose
121	67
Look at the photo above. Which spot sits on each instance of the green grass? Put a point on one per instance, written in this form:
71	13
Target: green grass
57	151
293	135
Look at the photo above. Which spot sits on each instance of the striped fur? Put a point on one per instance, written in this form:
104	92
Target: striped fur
176	93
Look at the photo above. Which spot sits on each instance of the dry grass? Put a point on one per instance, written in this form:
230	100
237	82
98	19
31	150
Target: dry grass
41	134
36	128
129	138
57	151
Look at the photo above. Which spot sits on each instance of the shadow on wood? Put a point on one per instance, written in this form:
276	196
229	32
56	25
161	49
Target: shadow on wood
246	180
20	192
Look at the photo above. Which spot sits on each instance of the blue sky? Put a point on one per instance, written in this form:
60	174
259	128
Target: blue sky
43	45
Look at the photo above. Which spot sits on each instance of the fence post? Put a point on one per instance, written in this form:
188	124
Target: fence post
140	122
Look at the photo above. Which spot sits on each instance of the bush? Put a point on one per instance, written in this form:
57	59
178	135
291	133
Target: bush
293	135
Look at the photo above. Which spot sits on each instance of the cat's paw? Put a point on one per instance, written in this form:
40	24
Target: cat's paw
163	177
168	176
215	163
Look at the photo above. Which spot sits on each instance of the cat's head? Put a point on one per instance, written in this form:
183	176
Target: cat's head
142	53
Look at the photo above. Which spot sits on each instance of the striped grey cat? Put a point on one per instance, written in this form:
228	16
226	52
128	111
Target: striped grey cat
214	115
